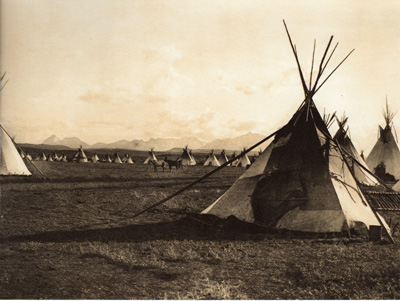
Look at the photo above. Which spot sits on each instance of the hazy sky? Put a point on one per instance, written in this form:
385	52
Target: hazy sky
104	70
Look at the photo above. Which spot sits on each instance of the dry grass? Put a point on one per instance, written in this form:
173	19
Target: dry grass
72	236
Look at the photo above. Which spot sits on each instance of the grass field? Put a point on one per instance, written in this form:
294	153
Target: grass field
71	235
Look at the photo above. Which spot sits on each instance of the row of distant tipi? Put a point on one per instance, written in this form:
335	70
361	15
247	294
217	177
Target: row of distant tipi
242	161
81	157
383	160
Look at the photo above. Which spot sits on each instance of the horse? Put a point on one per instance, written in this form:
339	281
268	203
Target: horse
157	163
171	163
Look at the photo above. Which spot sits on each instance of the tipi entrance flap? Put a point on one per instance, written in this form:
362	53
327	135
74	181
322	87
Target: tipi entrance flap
275	195
296	177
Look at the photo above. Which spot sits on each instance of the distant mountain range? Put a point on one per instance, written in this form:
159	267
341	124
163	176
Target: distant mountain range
72	142
161	144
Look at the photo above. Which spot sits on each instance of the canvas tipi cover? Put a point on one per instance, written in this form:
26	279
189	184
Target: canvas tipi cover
385	153
94	158
234	163
151	157
80	156
396	187
187	158
41	157
107	159
301	182
55	157
211	160
116	159
11	161
360	173
243	161
223	159
128	159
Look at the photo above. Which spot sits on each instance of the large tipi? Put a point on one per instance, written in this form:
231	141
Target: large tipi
242	161
56	157
211	160
94	158
107	158
80	156
151	157
40	157
11	161
301	182
353	157
128	159
187	157
116	159
223	158
234	163
384	158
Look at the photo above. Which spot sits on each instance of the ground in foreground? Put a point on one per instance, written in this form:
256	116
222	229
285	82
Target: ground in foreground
72	235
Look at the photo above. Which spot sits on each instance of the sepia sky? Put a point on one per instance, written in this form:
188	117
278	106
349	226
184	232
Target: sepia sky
104	70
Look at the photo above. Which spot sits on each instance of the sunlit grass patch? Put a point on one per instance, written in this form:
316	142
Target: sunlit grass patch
206	289
120	256
340	278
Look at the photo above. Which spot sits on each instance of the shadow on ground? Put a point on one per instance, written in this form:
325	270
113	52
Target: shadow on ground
191	227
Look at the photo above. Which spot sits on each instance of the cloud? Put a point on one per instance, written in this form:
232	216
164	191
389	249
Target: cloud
174	125
234	83
166	54
161	80
109	94
95	97
166	83
243	126
206	126
246	90
120	95
157	81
